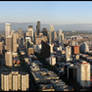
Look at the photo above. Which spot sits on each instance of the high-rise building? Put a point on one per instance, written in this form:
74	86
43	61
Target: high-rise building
45	31
8	59
5	81
24	82
38	27
55	36
14	81
45	51
15	36
83	74
51	47
51	36
74	43
19	81
10	81
68	53
20	33
28	42
60	36
84	47
7	29
30	33
9	45
1	47
52	28
72	73
75	50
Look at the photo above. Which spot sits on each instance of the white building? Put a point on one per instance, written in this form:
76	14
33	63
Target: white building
60	36
7	29
68	53
83	74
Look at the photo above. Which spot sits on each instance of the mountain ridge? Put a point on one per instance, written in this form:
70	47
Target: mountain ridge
65	27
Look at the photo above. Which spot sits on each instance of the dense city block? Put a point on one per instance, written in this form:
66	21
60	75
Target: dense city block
42	59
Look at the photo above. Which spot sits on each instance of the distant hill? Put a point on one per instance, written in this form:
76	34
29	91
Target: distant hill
65	27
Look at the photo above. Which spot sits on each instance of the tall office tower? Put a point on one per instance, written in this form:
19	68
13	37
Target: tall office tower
10	81
51	48
8	59
55	36
60	36
73	43
1	48
24	81
9	45
20	33
84	47
5	81
75	50
68	53
51	28
45	51
38	27
45	31
30	33
15	82
28	42
50	33
21	42
15	36
71	72
83	74
7	29
19	81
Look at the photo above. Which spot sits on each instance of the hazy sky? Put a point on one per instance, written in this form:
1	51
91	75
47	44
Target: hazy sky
47	12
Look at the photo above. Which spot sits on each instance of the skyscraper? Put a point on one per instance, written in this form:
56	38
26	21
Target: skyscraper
8	37
7	29
14	81
30	32
51	48
83	76
68	53
60	36
15	35
28	42
1	48
50	33
8	59
9	44
84	47
55	36
38	27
